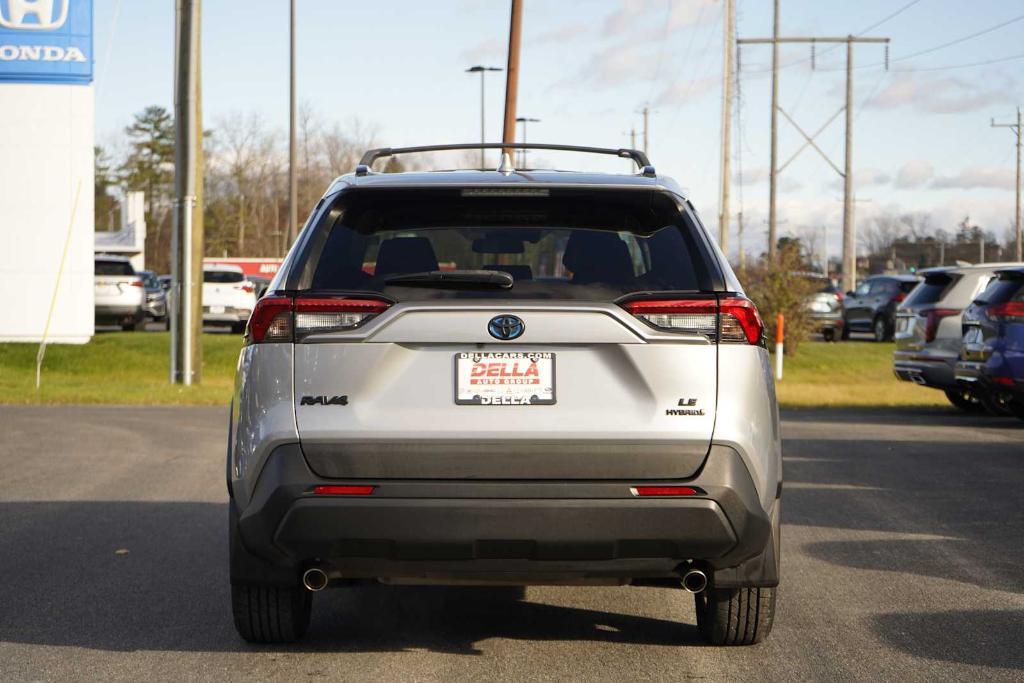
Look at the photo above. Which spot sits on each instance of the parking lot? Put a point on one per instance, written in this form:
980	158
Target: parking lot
901	552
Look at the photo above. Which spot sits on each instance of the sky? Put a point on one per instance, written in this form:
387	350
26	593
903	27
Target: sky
922	136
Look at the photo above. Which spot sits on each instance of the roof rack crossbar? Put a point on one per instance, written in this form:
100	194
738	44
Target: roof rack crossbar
638	157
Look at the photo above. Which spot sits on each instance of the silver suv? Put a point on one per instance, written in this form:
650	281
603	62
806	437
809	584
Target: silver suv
538	377
929	331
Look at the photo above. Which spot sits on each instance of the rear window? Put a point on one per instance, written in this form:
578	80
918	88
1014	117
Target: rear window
114	268
222	276
932	290
553	247
1002	289
907	286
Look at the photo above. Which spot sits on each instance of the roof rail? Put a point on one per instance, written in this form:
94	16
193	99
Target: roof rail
638	157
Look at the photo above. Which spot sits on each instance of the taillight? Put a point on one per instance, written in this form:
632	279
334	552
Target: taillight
932	318
248	288
283	319
1010	312
136	283
900	297
315	316
271	321
665	491
343	490
731	319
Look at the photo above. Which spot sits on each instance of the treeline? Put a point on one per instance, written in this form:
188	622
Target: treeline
246	178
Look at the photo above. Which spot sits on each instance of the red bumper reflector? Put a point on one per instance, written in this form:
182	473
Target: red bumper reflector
1005	381
664	491
343	490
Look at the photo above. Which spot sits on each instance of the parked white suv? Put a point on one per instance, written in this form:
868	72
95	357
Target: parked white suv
228	298
119	293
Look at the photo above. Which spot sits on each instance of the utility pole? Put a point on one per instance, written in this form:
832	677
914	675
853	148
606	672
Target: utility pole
739	239
186	278
522	153
647	112
293	180
1016	128
512	74
482	70
774	144
849	234
726	166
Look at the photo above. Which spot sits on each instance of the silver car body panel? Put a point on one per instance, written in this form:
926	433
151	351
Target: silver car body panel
619	386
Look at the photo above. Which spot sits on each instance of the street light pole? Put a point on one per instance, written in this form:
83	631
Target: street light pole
293	181
524	120
483	138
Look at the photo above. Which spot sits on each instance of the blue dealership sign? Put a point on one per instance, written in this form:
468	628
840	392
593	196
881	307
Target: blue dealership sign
46	41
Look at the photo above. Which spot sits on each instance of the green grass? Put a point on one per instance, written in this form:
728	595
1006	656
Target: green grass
117	367
131	368
848	374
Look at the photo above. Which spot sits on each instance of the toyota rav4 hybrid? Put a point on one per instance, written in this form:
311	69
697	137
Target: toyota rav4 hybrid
502	377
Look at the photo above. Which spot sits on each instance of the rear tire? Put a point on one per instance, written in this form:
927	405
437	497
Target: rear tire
735	616
270	614
845	335
1017	408
965	400
829	335
880	328
995	405
237	328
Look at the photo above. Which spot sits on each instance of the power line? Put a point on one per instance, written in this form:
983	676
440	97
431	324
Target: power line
935	48
961	66
661	51
873	26
959	40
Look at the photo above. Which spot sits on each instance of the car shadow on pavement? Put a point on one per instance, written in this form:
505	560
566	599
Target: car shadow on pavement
948	510
129	576
979	637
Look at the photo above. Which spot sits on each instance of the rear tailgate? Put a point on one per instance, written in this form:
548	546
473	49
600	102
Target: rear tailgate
628	403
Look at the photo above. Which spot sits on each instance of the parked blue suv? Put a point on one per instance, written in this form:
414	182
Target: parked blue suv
992	356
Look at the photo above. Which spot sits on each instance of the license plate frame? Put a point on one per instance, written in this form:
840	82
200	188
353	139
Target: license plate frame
513	390
217	310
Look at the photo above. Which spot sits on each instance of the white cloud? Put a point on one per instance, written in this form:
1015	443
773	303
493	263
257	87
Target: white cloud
687	92
560	34
650	14
977	177
759	175
914	174
613	66
944	95
491	50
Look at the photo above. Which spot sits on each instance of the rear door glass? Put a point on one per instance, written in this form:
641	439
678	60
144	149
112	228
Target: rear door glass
550	252
932	290
222	276
114	268
1002	289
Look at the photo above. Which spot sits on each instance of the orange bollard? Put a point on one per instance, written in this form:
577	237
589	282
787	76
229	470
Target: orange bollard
780	336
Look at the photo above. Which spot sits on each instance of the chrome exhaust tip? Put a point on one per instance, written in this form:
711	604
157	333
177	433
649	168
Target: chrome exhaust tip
695	581
314	579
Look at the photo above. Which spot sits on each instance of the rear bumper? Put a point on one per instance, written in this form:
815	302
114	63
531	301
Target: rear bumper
118	312
932	371
230	315
827	321
509	531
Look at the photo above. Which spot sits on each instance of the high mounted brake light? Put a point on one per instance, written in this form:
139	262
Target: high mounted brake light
730	319
283	319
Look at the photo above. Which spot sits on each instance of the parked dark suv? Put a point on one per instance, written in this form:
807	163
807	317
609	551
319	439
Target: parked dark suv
872	306
495	377
992	355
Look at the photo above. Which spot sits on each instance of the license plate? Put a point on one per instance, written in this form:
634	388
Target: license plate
505	379
820	307
216	309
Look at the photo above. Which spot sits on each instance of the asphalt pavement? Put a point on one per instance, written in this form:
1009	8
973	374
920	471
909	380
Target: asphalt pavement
903	557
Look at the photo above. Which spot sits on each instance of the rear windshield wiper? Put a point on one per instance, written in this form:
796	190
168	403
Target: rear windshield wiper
453	278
